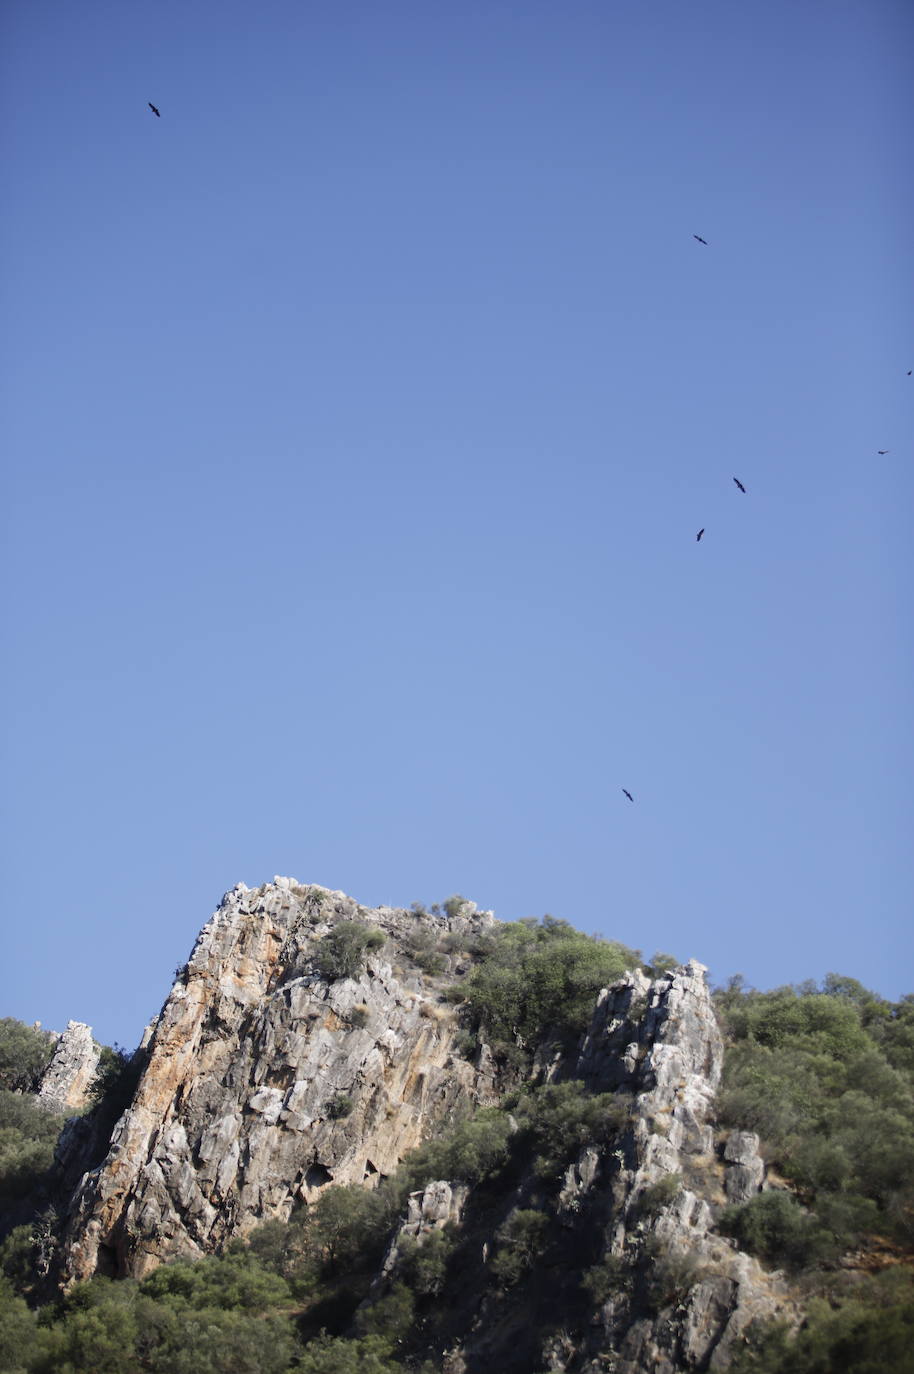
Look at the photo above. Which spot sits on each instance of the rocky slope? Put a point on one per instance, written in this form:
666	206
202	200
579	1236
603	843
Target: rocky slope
638	1208
264	1081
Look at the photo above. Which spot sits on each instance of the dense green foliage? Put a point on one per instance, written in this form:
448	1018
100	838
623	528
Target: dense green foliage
556	1120
341	953
867	1331
24	1054
825	1077
539	977
27	1137
218	1316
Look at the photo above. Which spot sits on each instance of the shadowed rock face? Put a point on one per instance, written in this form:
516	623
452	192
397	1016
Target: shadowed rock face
237	1115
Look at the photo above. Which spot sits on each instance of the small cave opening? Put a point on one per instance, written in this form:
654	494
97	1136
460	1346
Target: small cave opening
370	1170
318	1176
106	1265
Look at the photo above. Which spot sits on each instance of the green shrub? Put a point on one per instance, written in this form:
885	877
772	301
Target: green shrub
560	1118
389	1318
346	1225
870	1331
456	905
600	1281
541	975
422	947
520	1242
28	1133
423	1266
339	1106
661	964
775	1227
660	1195
822	1075
24	1055
230	1282
341	953
116	1076
335	1355
670	1279
475	1150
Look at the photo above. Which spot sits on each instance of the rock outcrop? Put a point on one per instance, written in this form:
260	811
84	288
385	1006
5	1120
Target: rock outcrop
664	1181
265	1081
272	1072
66	1081
669	1294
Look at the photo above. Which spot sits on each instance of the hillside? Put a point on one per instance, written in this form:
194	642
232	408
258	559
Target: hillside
390	1140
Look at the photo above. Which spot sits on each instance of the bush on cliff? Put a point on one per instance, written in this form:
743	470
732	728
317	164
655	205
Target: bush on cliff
540	976
825	1077
24	1055
341	953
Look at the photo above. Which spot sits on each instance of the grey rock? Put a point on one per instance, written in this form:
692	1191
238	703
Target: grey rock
66	1081
231	1122
662	1042
745	1169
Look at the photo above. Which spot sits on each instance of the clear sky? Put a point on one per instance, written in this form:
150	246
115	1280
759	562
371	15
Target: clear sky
360	415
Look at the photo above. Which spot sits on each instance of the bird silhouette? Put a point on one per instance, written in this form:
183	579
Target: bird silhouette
740	485
700	239
153	108
628	794
883	451
698	535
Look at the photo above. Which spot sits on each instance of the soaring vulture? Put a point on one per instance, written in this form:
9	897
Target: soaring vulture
698	535
153	108
883	451
628	794
740	485
700	239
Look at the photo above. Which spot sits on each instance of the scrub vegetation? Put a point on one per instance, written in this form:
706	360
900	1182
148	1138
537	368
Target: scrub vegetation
823	1073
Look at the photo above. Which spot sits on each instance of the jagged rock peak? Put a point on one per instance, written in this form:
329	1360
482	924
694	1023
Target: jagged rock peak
265	1079
67	1079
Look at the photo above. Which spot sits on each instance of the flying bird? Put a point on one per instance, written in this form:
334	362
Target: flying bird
740	485
700	239
883	451
698	535
628	794
153	108
910	370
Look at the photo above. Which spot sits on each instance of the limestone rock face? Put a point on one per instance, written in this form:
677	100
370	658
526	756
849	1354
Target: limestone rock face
265	1081
429	1209
662	1041
745	1171
66	1081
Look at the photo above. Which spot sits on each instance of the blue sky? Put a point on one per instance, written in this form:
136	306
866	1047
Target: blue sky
360	414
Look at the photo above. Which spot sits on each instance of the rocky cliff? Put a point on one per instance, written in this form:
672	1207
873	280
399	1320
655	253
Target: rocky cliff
635	1213
264	1081
265	1078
